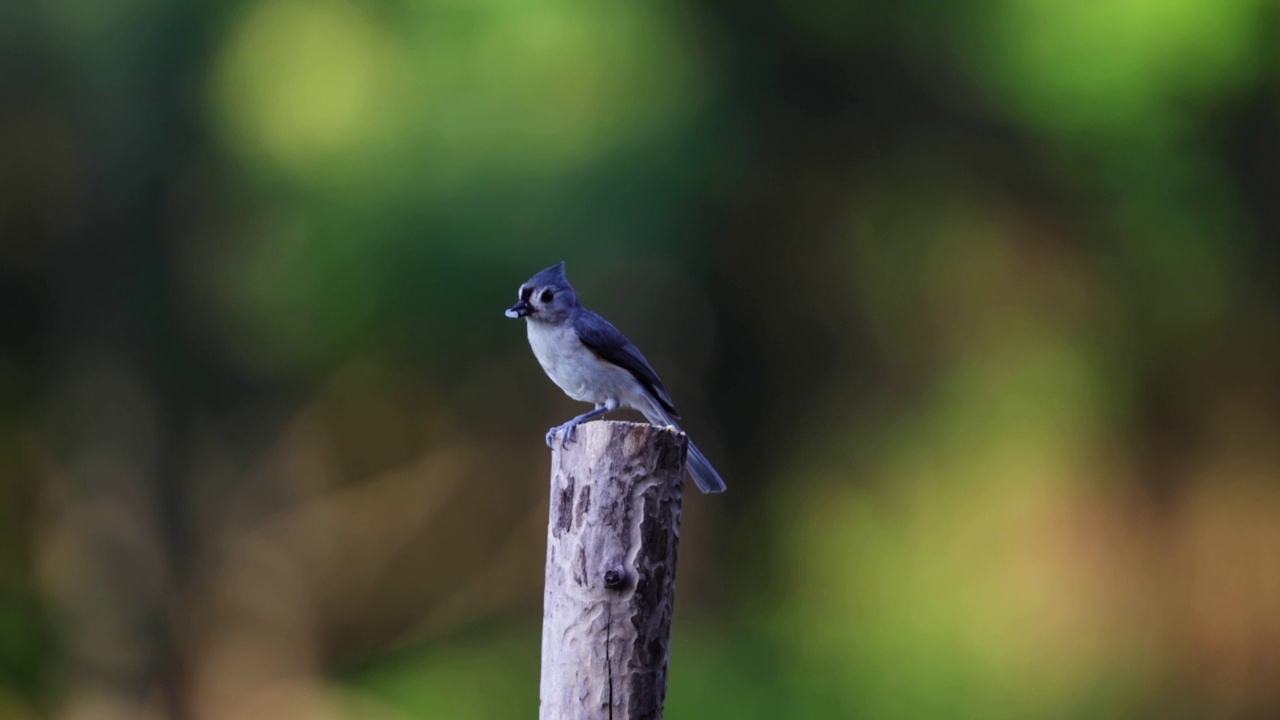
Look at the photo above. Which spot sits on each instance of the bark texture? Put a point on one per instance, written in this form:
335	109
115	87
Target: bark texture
616	498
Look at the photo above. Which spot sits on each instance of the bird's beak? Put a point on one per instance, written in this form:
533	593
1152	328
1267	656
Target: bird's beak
520	309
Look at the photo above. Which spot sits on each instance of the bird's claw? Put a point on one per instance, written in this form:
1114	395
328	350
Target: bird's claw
569	432
570	429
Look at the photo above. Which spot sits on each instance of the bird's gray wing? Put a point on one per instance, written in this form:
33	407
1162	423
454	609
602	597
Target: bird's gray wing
603	339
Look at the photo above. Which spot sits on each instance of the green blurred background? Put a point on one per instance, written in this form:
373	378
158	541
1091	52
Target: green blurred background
974	304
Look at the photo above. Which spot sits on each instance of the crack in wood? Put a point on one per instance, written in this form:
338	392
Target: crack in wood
608	663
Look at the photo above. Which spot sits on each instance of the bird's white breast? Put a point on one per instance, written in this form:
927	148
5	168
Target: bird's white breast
575	368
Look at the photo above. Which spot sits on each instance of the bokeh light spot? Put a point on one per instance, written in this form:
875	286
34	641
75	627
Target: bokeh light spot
1116	65
304	79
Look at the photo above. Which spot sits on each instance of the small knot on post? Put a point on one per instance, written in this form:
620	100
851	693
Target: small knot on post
614	579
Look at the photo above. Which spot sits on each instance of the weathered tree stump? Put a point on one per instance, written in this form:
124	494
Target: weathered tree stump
616	498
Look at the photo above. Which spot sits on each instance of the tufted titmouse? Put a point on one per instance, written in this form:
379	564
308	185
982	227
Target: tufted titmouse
591	361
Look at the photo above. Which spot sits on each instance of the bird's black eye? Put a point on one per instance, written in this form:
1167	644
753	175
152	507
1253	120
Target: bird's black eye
547	296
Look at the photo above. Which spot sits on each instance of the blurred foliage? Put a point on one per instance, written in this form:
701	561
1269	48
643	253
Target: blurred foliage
974	304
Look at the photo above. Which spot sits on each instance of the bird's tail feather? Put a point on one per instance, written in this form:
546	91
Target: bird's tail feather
706	477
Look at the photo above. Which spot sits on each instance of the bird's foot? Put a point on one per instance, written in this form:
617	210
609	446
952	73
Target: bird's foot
570	429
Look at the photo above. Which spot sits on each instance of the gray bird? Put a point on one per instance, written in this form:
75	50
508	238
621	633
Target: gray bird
592	362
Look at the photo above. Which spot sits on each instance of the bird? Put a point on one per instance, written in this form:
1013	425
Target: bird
592	361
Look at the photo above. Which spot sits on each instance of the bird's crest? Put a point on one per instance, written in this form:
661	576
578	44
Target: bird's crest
553	276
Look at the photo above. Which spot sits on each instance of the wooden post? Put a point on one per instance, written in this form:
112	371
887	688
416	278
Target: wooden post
616	498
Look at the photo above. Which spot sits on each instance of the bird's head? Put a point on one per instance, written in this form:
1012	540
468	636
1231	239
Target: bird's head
545	297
